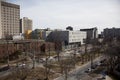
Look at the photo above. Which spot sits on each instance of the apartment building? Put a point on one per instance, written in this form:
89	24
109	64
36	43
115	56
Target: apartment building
9	19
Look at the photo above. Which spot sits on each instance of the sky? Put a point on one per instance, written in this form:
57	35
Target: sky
58	14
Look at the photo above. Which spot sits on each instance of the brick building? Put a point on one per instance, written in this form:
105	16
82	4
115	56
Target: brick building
32	46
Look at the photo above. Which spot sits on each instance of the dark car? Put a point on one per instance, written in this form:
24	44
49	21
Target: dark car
88	70
94	66
4	68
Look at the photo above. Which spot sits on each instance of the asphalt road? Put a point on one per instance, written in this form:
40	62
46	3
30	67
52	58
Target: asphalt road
7	72
79	72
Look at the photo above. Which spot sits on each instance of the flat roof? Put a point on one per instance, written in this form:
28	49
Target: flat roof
7	4
88	29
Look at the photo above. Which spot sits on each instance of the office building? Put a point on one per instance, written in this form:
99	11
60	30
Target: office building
9	19
68	39
25	24
40	33
45	34
92	33
111	32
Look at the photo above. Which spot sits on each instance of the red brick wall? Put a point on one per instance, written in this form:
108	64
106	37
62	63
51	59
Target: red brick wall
36	46
48	47
6	49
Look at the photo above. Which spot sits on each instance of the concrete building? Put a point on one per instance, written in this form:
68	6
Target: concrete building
40	33
67	38
92	33
45	34
9	19
111	32
36	34
25	24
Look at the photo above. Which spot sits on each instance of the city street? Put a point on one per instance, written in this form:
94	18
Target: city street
59	39
63	55
79	72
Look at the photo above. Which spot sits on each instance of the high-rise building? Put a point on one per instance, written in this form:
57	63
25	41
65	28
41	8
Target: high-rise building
25	24
9	19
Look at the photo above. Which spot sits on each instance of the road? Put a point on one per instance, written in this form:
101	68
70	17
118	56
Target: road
79	72
7	72
62	54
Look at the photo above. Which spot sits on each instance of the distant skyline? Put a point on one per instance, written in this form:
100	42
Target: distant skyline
58	14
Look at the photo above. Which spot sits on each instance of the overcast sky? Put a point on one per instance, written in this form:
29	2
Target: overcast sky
76	13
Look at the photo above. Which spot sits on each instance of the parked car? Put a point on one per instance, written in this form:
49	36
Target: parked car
21	65
41	60
94	66
88	70
98	63
4	68
102	61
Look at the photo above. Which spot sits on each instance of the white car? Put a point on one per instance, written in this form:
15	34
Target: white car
21	65
98	63
89	69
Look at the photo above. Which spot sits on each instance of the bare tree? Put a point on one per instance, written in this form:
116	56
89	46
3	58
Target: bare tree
7	38
58	49
48	65
112	53
66	65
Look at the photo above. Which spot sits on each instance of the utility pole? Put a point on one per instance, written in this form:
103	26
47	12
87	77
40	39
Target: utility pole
8	53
